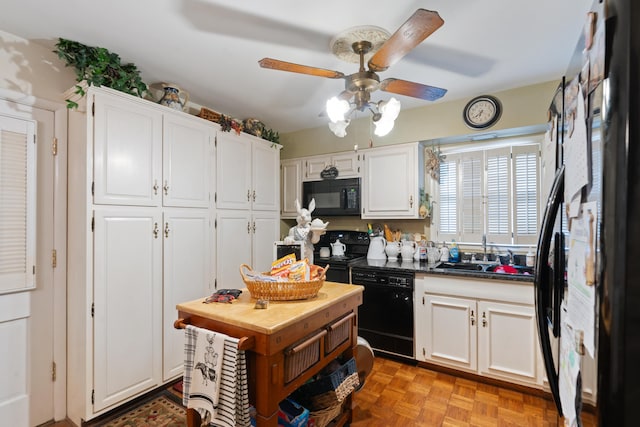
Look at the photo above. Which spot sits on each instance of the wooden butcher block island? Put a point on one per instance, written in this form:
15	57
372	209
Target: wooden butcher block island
286	344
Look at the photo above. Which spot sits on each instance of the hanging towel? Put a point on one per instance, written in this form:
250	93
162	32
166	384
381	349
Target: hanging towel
230	405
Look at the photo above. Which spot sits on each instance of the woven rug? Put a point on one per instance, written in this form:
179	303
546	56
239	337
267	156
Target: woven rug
161	410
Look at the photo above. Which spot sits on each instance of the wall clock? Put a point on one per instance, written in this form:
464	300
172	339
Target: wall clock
482	112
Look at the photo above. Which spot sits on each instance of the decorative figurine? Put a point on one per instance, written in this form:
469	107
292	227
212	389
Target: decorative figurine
306	232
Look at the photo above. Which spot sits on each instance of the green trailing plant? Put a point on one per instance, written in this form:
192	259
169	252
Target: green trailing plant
99	67
271	135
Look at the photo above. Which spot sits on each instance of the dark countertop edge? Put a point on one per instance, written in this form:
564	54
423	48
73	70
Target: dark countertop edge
423	267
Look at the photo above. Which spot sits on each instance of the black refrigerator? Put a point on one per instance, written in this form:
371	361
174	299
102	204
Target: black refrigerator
587	279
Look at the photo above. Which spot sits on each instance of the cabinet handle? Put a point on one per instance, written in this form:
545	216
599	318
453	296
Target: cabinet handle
155	187
254	195
410	201
166	230
484	319
155	230
473	318
248	195
254	227
166	188
248	227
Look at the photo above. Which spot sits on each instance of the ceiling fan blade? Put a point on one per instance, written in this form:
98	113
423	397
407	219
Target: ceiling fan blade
276	64
417	28
416	90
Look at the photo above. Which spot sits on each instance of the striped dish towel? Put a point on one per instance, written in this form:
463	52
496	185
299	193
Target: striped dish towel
232	409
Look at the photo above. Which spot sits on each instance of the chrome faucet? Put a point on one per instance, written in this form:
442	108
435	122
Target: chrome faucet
484	248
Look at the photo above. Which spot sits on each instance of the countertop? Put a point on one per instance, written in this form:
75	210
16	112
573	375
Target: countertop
277	316
423	267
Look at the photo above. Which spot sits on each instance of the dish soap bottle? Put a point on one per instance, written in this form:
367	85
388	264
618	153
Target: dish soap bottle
454	253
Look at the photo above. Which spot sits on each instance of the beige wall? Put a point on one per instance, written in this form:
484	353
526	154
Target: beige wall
32	69
523	106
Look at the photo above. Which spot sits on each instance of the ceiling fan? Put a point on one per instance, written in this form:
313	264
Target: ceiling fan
362	83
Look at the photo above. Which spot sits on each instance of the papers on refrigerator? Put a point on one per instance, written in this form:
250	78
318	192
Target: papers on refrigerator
581	275
576	152
568	374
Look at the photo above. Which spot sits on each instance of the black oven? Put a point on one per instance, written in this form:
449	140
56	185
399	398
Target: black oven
334	197
385	318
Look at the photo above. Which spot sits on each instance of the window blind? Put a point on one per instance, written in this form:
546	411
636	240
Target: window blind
472	206
498	196
448	209
17	205
526	194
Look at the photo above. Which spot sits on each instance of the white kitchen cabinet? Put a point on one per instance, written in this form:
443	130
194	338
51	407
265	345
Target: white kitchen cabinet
244	237
135	253
186	258
127	306
291	186
392	180
449	331
347	164
247	173
482	326
186	161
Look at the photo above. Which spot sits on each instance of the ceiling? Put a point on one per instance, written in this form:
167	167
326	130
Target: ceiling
211	48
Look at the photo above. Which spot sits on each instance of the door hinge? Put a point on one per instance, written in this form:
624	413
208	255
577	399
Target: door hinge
424	352
216	141
54	147
93	188
93	397
54	258
93	108
215	223
93	224
215	283
34	139
33	270
215	197
93	309
53	371
423	300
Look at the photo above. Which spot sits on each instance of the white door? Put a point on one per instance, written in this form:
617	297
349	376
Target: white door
266	230
507	341
186	277
450	331
186	157
265	193
127	303
128	152
291	184
233	246
233	171
390	182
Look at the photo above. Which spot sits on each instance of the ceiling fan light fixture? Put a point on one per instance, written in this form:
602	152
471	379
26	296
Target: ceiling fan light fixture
336	109
389	109
339	128
383	127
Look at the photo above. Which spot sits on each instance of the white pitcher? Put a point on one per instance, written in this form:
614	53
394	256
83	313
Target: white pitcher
407	249
338	248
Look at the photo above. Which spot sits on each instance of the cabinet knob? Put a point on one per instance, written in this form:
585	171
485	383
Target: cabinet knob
166	230
248	195
155	187
156	231
254	227
484	319
254	195
410	201
248	227
166	188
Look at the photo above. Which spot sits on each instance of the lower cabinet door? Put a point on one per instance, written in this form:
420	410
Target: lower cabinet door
127	305
266	230
450	331
507	341
186	277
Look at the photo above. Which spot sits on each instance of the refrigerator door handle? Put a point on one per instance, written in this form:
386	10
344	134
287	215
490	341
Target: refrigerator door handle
542	283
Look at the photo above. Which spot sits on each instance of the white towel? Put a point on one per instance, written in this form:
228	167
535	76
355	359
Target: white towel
230	405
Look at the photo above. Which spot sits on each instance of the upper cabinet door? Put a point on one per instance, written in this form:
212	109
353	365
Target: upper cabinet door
186	157
391	183
128	154
291	185
265	193
233	171
348	164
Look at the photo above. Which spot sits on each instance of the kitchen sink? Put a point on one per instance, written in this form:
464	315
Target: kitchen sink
485	267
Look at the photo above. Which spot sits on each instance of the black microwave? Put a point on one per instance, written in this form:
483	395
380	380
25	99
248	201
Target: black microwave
334	197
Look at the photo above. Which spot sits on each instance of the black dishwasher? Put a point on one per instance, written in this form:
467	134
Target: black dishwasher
385	318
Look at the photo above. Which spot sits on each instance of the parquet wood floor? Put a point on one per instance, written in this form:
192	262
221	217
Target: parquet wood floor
397	394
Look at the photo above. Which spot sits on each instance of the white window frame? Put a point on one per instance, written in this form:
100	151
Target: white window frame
472	220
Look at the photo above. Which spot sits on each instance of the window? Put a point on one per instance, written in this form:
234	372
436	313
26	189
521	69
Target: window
491	190
17	204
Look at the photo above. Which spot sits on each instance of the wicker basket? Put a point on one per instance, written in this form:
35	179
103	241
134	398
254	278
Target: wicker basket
322	417
210	115
330	390
283	291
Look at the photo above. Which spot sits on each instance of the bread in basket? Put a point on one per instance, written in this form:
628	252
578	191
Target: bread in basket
283	290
